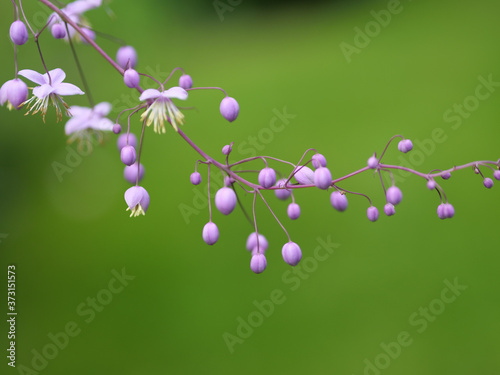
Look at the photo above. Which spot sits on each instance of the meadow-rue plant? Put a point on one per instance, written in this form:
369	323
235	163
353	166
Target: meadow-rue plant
156	106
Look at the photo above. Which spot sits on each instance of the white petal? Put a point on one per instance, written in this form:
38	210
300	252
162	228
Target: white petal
67	89
102	109
104	124
73	125
43	91
175	93
83	112
56	75
149	94
33	76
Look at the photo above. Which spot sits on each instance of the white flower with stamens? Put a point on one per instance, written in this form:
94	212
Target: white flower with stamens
162	108
49	91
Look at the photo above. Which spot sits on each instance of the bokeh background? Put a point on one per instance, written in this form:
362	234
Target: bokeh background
187	299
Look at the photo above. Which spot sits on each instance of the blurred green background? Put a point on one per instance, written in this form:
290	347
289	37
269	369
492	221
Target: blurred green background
187	299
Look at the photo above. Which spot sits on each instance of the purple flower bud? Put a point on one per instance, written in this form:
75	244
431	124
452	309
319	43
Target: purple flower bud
226	150
405	145
372	213
318	161
185	81
126	56
228	181
122	140
130	173
252	243
117	128
372	162
291	253
225	200
18	33
394	195
258	263
488	183
58	31
128	155
339	201
445	211
131	78
282	193
267	177
440	211
431	184
195	178
210	233
14	92
322	178
137	199
496	175
304	175
293	211
389	209
229	108
446	175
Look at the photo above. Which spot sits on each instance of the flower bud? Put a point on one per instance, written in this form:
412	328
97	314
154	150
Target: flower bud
14	92
130	173
128	155
18	33
252	243
117	129
445	211
226	150
488	183
185	81
389	209
394	195
496	175
322	178
446	175
195	178
126	57
372	162
339	201
225	200
258	263
431	184
229	108
282	193
291	253
440	211
318	161
405	145
131	78
210	233
267	177
293	211
372	213
122	140
58	31
304	175
137	199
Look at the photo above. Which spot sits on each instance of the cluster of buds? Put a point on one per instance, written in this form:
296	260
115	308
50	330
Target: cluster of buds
157	106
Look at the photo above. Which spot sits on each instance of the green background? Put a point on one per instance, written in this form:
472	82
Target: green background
66	238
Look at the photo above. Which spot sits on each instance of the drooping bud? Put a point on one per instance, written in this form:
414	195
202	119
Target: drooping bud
14	92
293	211
282	193
128	155
137	199
229	108
496	175
446	175
389	209
195	178
258	263
58	31
131	78
372	213
252	243
338	201
445	211
431	184
185	81
225	200
126	57
210	233
130	173
117	128
372	162
394	195
226	150
267	177
318	160
488	183
291	253
304	175
122	140
322	178
18	33
405	145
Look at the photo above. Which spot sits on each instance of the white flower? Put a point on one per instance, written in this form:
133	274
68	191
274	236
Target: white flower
50	90
162	109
